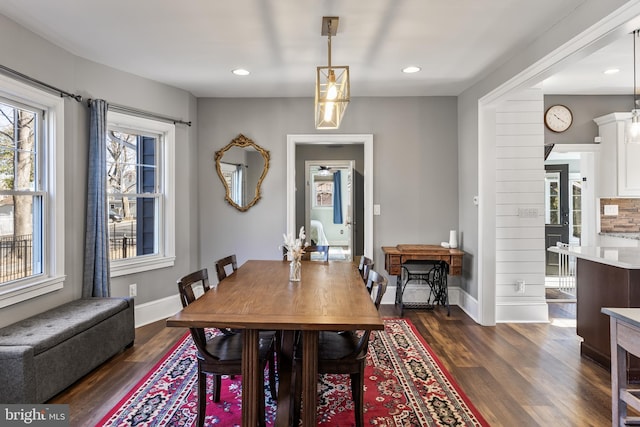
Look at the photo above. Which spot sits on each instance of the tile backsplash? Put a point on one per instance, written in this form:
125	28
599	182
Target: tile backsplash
627	220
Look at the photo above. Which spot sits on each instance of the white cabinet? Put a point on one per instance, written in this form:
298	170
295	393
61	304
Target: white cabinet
619	174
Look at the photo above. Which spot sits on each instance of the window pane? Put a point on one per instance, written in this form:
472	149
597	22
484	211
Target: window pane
20	237
130	163
133	230
17	148
552	198
324	193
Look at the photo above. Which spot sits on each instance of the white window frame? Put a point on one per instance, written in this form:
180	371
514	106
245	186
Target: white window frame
166	217
52	152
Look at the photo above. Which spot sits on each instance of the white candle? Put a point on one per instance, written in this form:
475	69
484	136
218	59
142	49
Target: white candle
453	239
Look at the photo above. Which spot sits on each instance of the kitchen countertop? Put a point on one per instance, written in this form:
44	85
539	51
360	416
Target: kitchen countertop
622	257
633	236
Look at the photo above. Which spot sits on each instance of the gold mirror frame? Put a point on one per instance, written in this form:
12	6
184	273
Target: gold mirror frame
242	141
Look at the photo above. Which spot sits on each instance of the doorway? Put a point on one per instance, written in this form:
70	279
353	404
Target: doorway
295	211
556	209
330	197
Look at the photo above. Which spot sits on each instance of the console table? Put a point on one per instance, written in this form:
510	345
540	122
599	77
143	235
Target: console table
625	340
429	264
395	256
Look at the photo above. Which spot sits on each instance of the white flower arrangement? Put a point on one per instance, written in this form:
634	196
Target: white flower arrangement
295	246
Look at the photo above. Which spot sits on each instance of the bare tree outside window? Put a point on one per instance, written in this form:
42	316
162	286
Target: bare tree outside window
18	192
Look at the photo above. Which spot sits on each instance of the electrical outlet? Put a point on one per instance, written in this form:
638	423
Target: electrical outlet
133	290
520	286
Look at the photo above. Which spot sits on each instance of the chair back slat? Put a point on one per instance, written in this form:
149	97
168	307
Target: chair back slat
186	287
222	263
379	283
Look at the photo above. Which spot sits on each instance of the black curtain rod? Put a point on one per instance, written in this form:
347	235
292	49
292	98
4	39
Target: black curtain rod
78	98
141	113
18	74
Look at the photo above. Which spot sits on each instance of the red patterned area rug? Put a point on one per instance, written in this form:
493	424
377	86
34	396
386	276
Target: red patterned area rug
405	385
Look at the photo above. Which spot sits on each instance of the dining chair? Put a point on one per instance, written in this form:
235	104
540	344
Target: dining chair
343	352
222	354
366	264
223	263
323	250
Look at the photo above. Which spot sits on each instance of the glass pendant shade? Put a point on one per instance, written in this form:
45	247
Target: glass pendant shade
332	96
632	129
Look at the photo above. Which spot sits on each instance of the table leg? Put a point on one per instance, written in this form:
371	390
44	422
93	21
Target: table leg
252	377
309	377
285	367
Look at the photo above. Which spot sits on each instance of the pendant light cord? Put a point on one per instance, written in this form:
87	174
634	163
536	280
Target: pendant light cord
635	87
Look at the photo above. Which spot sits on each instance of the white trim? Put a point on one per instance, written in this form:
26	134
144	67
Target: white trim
159	309
367	141
166	242
54	252
523	312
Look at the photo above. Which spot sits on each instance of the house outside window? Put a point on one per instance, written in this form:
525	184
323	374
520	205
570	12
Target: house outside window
31	192
323	193
140	173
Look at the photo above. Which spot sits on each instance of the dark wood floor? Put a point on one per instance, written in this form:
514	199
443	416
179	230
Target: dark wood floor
515	374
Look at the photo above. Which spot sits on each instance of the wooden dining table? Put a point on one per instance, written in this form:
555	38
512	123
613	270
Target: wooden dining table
259	296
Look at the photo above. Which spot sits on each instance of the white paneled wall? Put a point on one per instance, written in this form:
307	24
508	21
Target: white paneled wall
520	242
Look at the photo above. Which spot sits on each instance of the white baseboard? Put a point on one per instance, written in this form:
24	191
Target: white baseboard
153	311
466	302
522	312
457	296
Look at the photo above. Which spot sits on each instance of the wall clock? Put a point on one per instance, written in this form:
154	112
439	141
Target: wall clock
558	118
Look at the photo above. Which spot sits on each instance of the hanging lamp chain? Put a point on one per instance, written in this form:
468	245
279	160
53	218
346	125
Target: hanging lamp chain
329	44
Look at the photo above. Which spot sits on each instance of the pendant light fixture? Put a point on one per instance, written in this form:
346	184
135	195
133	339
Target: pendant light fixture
632	134
332	84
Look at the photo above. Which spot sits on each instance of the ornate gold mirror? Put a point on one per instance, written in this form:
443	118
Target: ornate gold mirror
241	166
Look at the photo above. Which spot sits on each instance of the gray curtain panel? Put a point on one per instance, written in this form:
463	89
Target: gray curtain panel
96	254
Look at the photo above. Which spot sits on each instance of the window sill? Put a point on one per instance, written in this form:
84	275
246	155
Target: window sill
123	268
22	292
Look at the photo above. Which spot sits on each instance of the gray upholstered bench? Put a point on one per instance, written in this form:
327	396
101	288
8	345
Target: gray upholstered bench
42	355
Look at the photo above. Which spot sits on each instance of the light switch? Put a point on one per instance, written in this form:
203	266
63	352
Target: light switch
376	209
611	210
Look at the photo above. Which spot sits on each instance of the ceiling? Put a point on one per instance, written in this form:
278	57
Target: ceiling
195	44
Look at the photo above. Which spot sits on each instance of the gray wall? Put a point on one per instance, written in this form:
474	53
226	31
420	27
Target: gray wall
29	54
584	108
415	174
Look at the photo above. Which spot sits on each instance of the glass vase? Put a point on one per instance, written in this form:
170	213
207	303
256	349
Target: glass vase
294	270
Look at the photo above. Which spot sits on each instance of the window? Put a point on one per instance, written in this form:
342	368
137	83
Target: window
576	208
552	198
139	158
31	192
323	192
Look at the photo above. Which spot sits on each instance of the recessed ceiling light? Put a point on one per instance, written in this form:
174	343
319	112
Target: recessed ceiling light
612	71
411	69
240	72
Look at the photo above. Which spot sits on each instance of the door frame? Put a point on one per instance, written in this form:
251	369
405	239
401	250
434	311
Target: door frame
367	141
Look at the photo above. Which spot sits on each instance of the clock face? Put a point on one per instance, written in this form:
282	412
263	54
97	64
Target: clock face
558	118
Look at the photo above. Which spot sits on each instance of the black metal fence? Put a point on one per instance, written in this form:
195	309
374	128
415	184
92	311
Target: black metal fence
16	252
122	247
16	257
